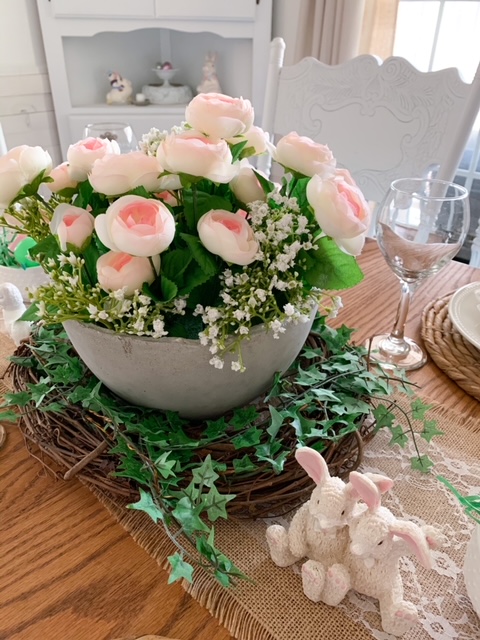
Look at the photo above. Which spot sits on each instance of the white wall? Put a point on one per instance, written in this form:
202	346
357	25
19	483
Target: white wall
26	109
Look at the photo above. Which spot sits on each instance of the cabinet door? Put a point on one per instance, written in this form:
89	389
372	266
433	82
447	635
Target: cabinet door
103	8
206	9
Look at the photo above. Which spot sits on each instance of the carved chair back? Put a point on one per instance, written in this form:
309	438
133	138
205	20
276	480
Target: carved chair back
382	120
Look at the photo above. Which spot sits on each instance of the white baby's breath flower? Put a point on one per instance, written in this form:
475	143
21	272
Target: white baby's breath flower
199	310
243	330
237	366
289	309
92	310
62	260
102	315
216	362
41	309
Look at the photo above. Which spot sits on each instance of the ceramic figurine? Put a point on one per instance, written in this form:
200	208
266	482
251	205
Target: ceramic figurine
209	83
11	302
121	89
318	531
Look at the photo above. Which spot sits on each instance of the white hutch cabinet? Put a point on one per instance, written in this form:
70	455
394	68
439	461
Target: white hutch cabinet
86	39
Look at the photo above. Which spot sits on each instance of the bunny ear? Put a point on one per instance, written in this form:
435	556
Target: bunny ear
415	538
313	463
382	483
366	489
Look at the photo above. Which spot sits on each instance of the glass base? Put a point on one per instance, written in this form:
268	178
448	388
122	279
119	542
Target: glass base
391	352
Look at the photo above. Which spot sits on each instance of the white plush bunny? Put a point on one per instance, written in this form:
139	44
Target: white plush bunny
318	531
377	542
11	302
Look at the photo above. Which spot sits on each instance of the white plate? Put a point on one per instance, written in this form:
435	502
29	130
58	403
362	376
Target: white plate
464	312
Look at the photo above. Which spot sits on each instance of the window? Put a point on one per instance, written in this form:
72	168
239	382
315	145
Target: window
434	34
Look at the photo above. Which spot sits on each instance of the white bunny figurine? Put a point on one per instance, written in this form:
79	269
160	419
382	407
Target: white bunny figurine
318	531
11	302
377	542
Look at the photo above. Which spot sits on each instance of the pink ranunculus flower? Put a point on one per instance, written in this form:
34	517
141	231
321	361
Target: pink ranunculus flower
303	155
219	116
340	210
193	153
168	197
139	226
61	178
72	225
245	184
228	235
20	166
256	139
83	154
117	270
115	174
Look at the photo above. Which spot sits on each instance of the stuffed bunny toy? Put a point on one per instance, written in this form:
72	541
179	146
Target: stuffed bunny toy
377	542
11	302
318	531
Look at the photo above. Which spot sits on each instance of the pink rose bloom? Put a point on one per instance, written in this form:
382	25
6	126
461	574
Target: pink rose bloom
118	270
115	174
192	153
168	197
139	226
340	210
219	116
61	178
19	167
303	155
71	225
245	185
228	235
83	154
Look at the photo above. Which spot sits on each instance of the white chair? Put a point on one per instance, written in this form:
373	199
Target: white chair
3	144
382	120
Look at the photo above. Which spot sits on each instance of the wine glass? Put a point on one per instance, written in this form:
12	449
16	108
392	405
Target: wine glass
121	132
420	225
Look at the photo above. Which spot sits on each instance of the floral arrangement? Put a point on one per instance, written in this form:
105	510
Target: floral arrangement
185	237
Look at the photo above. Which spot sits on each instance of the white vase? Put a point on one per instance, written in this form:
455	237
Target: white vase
175	374
471	569
23	278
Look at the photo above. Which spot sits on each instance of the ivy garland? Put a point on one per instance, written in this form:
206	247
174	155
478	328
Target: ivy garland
156	451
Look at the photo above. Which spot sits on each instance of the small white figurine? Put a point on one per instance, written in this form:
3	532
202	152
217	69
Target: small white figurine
209	83
318	531
121	89
11	302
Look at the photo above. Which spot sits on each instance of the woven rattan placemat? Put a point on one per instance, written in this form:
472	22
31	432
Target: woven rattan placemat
454	355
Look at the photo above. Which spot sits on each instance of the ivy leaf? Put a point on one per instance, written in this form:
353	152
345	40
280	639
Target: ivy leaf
243	465
430	430
244	416
398	436
419	409
421	463
180	569
19	399
249	438
205	475
165	466
383	417
147	504
215	504
187	515
8	416
215	428
276	423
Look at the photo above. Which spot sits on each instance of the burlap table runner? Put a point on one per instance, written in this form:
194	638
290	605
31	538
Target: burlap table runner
274	607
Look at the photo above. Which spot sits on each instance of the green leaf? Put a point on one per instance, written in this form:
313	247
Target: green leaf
398	436
85	191
46	248
196	203
215	504
421	463
383	417
169	289
430	430
164	466
180	569
205	475
266	185
19	399
174	264
244	416
250	438
187	515
243	465
420	408
276	423
236	150
148	505
328	267
8	416
205	260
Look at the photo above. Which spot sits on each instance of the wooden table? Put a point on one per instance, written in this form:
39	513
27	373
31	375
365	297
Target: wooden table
68	571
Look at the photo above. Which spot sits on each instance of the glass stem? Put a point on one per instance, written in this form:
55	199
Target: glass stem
407	291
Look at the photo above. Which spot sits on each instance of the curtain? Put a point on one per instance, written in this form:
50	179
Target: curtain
337	30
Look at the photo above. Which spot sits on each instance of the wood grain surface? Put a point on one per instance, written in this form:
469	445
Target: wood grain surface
69	572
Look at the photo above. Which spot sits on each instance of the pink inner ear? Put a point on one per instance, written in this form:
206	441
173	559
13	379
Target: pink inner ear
383	483
415	538
366	489
313	463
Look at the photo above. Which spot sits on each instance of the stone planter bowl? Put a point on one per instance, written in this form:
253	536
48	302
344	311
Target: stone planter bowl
471	569
175	374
